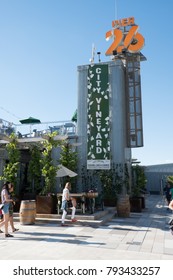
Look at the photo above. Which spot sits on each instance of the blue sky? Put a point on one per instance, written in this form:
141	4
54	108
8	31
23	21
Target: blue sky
43	41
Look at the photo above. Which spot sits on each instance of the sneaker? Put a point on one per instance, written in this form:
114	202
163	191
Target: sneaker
64	225
73	220
1	231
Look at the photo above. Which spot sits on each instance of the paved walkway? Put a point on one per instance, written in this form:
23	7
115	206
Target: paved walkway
142	236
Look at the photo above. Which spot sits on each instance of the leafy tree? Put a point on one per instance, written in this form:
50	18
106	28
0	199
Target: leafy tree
49	168
11	168
35	170
112	181
138	180
68	158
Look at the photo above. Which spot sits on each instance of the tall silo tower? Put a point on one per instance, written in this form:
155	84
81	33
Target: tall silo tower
109	103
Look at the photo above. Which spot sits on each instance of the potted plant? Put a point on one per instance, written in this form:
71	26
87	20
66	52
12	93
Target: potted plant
137	200
46	201
113	184
109	190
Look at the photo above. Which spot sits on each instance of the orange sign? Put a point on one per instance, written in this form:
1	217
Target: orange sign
125	35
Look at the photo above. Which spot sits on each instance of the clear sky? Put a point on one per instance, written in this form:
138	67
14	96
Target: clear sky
43	41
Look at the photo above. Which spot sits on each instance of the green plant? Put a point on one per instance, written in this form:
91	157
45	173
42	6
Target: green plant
68	158
138	180
170	180
126	178
49	168
11	168
112	181
107	180
35	170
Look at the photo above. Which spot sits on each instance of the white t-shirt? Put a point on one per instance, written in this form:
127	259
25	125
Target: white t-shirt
65	194
3	194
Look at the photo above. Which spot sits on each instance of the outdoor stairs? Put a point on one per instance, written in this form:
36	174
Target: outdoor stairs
99	217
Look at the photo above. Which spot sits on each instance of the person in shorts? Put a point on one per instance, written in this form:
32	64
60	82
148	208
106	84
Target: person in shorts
11	189
6	200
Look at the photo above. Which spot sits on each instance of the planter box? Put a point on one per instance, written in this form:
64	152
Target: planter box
143	202
109	202
136	204
46	204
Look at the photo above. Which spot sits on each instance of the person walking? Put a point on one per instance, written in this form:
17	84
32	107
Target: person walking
6	200
73	200
168	195
11	189
64	206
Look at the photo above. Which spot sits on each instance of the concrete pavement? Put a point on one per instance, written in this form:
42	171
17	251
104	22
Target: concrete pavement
142	236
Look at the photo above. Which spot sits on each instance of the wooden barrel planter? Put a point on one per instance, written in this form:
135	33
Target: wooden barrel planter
123	206
27	212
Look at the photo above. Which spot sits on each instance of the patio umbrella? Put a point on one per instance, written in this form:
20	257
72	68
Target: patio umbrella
30	120
64	171
74	117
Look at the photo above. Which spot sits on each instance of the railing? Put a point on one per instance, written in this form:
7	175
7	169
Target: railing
36	130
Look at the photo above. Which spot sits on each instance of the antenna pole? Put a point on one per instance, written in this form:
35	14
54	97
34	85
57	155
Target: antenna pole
93	54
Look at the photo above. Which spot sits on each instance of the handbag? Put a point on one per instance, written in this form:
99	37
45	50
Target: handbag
1	206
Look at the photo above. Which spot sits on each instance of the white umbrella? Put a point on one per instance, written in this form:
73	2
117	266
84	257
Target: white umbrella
64	171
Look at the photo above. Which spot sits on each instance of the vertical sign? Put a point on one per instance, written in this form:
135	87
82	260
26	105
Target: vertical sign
98	128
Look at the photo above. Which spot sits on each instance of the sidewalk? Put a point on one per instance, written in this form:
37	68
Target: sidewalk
143	236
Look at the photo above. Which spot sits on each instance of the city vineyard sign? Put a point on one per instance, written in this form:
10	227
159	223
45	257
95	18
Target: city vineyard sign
125	37
98	127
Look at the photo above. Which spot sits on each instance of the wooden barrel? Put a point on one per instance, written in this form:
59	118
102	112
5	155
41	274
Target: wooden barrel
123	206
27	212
